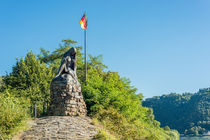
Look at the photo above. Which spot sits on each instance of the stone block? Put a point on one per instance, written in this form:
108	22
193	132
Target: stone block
73	102
66	102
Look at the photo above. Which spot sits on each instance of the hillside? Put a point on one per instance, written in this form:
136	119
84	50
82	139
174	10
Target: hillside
187	113
110	99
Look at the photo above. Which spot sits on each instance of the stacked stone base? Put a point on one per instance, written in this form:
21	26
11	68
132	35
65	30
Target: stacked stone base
66	99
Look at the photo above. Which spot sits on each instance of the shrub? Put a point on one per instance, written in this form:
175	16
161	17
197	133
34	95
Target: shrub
104	135
116	123
13	113
124	129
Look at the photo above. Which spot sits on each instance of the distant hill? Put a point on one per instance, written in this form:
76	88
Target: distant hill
188	113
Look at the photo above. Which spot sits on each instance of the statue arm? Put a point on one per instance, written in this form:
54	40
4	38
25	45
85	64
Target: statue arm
62	67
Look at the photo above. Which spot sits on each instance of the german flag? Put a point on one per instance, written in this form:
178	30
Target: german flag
83	22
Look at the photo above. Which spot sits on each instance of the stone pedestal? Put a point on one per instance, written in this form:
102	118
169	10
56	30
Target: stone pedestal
66	97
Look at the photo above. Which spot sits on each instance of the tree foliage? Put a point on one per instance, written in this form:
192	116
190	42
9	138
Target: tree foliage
30	78
188	113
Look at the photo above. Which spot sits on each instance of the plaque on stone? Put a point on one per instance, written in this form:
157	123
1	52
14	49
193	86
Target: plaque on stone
65	89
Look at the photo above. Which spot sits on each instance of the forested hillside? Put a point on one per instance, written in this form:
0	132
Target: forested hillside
111	100
188	113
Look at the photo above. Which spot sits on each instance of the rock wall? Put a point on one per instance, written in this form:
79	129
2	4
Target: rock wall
66	97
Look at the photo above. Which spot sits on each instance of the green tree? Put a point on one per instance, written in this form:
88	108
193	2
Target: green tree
30	78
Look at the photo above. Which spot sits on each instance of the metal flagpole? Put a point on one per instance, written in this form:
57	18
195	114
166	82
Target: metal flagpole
85	61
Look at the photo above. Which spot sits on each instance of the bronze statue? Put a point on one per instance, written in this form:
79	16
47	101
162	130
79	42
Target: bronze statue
68	64
66	94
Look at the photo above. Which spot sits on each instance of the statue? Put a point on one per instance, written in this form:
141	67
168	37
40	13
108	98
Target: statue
66	95
68	64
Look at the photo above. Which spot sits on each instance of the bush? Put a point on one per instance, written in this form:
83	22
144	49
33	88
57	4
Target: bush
13	113
124	129
167	128
104	135
116	123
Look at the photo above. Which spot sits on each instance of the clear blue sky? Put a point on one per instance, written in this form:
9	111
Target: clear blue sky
163	46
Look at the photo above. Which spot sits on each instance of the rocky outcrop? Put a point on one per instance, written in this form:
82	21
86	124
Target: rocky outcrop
60	127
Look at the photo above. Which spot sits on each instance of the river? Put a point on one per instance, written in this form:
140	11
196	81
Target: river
195	138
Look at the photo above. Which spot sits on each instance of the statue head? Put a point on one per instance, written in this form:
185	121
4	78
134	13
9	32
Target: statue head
71	52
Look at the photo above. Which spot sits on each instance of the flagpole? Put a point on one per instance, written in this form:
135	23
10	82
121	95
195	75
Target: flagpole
85	61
